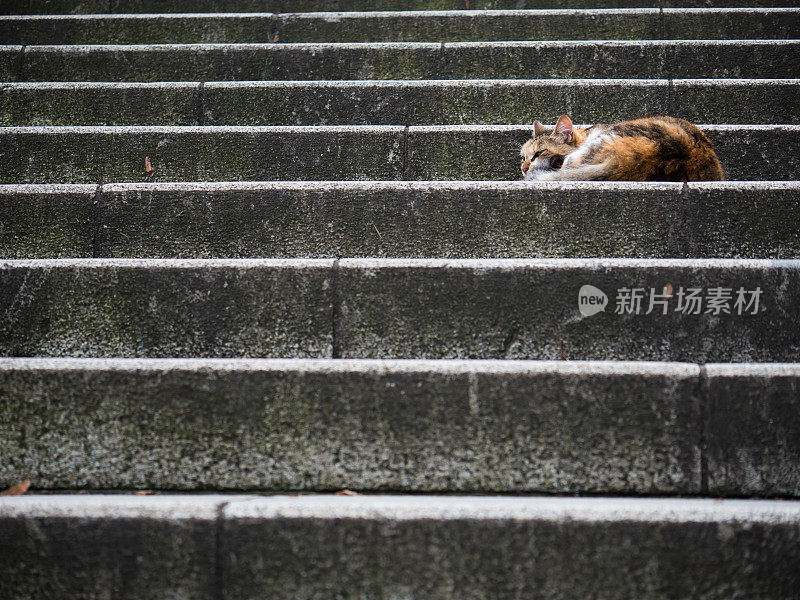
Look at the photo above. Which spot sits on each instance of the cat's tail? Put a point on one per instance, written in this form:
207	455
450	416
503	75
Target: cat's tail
597	172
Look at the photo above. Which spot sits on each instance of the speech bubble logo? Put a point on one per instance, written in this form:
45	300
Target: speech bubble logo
591	300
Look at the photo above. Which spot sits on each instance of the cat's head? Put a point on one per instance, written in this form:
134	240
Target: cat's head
546	149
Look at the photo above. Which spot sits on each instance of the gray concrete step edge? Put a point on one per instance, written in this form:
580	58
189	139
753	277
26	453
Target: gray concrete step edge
401	60
585	426
225	153
242	547
395	102
393	219
440	308
590	24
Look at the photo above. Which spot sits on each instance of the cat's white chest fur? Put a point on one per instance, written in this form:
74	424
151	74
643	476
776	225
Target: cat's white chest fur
596	138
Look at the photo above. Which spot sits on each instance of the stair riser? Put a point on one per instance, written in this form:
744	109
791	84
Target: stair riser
142	556
753	431
386	309
281	311
395	103
642	24
564	60
285	6
79	155
496	427
365	547
509	559
485	220
371	427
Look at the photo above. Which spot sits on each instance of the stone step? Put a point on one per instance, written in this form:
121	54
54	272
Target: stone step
455	426
446	547
410	26
646	309
289	6
409	102
227	153
448	219
403	60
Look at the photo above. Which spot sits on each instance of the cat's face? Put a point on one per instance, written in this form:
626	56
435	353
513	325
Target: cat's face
545	151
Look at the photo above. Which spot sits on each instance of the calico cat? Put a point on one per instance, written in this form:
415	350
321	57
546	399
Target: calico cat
648	149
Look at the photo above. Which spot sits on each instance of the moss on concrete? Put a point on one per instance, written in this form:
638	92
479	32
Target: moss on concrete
531	311
514	60
305	427
99	155
151	311
51	223
87	104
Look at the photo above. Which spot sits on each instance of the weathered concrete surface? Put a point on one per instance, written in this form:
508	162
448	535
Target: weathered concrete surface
449	220
459	220
408	26
364	547
734	101
398	102
10	62
174	103
284	6
427	102
754	152
635	59
418	308
452	152
222	62
402	219
507	426
101	154
728	23
127	547
412	60
753	431
498	102
509	548
754	219
576	24
47	221
167	308
394	309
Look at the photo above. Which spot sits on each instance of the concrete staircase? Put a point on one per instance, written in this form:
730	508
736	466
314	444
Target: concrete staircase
248	259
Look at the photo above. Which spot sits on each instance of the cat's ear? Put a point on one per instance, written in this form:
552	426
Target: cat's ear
564	127
538	128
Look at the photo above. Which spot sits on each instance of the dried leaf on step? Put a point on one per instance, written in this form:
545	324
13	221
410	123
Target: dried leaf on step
346	493
148	167
17	490
143	493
